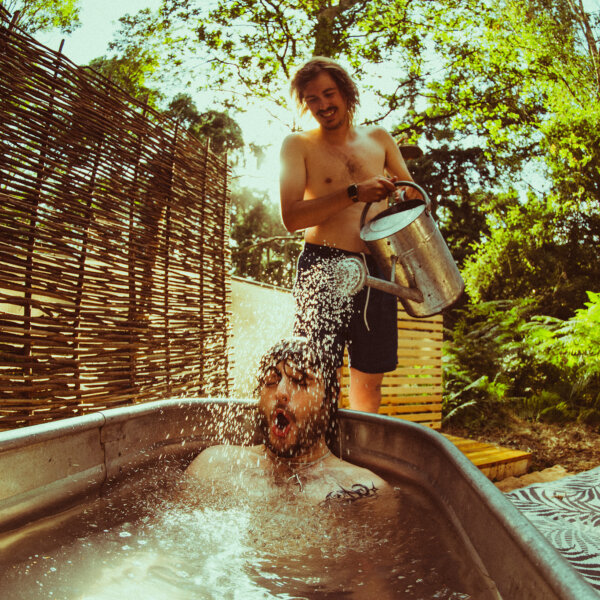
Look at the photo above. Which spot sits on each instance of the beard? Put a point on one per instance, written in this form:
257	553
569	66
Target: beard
333	125
340	118
306	438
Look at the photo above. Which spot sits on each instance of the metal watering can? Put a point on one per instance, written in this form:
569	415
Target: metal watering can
412	254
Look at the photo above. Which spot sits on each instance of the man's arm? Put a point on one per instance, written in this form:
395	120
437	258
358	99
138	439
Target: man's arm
298	213
394	162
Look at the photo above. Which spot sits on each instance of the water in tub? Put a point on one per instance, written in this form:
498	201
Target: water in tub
160	536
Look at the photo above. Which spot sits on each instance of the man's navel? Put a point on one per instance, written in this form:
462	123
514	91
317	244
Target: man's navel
328	180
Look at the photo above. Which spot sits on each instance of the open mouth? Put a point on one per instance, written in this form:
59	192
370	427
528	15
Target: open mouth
281	423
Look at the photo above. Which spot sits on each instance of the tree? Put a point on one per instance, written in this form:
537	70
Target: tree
492	91
132	73
453	177
261	247
219	128
528	87
250	48
536	249
44	15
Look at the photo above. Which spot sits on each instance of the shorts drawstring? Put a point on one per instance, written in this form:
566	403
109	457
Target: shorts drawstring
368	294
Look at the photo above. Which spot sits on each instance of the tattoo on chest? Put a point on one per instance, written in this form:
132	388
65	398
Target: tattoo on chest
356	492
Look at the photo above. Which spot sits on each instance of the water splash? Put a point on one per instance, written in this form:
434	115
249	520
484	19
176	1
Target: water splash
261	316
323	305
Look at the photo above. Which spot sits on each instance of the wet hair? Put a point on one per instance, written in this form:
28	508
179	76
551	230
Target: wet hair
305	356
322	64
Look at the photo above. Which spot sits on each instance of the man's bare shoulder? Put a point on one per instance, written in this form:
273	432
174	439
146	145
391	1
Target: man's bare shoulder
376	132
221	460
299	140
348	474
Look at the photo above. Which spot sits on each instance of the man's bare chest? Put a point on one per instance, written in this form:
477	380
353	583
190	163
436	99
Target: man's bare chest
328	167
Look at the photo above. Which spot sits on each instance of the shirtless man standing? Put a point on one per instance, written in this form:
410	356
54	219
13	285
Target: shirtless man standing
327	176
297	406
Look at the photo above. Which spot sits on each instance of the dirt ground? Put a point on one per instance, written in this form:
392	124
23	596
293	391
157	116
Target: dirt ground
574	446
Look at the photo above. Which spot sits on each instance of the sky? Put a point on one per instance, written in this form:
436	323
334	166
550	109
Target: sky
99	19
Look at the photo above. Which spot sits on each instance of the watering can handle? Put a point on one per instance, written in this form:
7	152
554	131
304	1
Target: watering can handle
399	184
412	184
363	216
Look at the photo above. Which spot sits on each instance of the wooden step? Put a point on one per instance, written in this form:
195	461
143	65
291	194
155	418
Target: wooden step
494	461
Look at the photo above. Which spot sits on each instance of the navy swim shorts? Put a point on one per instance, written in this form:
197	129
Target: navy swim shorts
365	322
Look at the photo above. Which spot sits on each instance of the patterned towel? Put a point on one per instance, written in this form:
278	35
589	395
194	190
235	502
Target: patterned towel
567	513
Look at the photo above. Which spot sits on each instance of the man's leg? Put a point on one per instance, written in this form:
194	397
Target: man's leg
365	390
373	344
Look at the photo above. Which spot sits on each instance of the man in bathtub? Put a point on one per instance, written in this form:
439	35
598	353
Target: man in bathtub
297	406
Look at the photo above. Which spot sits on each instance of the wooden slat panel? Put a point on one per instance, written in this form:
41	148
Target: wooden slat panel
406	343
426	399
414	390
412	380
400	378
499	471
426	353
402	371
418	337
432	346
403	409
434	329
494	455
410	401
402	314
414	417
421	361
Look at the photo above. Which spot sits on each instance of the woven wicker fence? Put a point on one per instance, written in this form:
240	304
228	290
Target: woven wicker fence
113	256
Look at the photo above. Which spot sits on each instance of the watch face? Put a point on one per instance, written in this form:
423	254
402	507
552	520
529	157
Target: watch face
353	192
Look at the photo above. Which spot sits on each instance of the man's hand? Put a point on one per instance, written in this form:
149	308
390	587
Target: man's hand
375	189
379	187
405	192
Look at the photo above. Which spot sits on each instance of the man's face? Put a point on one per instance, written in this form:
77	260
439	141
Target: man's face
291	410
325	102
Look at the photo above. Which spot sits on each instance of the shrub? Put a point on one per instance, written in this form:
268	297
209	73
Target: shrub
484	361
501	355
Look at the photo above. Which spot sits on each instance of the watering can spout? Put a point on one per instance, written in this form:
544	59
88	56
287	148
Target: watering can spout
354	276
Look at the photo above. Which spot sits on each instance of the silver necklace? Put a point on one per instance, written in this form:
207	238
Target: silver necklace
305	466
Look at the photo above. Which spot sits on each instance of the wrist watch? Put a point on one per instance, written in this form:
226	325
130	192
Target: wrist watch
352	192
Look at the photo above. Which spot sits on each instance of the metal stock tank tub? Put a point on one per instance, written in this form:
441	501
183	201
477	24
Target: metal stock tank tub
92	469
